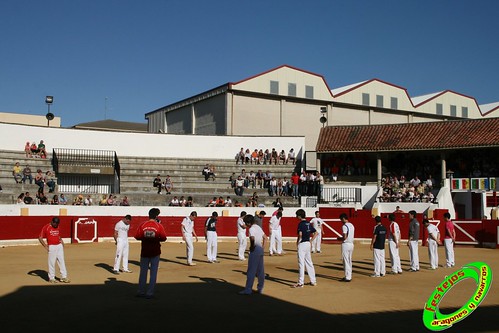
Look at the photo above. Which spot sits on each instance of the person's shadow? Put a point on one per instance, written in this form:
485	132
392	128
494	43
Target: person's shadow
40	273
106	267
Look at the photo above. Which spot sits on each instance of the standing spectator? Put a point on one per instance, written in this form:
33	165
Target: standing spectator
449	240
378	248
16	172
319	179
241	236
433	242
412	243
51	240
157	183
317	224
27	174
295	183
255	262
306	234
151	234
394	244
259	176
122	248
239	186
275	234
187	233
210	234
347	246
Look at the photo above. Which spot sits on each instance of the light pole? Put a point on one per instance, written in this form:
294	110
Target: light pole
323	118
50	116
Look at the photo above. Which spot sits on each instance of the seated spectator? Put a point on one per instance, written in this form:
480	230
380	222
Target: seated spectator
28	200
267	177
103	201
62	199
239	186
254	156
27	175
228	202
268	157
274	156
182	201
259	178
17	173
232	180
279	189
247	156
240	156
168	185
291	156
238	204
220	202
251	179
174	202
277	203
189	202
272	187
41	199
244	176
34	149
88	201
41	150
208	172
78	200
20	199
49	180
212	203
398	210
261	156
55	200
282	157
27	149
40	179
124	201
157	183
111	200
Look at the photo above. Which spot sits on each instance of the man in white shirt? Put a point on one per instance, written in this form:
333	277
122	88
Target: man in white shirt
275	234
187	233
433	242
394	244
317	224
255	261
241	236
122	248
347	246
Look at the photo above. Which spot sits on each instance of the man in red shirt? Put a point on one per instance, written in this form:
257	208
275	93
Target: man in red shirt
151	233
295	181
55	248
449	240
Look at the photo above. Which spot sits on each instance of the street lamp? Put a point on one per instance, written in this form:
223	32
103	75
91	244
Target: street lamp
323	118
50	116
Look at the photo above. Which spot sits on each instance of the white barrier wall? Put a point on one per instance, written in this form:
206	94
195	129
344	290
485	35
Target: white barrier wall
144	144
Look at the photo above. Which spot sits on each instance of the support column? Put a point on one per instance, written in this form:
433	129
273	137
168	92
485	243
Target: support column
379	170
443	170
193	119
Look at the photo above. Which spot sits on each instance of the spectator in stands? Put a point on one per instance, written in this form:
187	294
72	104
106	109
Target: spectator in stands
398	210
244	176
17	173
291	156
285	187
261	156
49	180
28	200
282	157
335	171
27	149
228	202
34	149
232	180
55	200
237	204
20	199
103	200
88	201
251	179
189	202
111	200
279	188
220	202
41	199
268	157
319	179
429	183
259	177
157	183
208	172
27	174
239	186
78	200
274	156
247	156
267	177
415	181
42	152
62	199
168	185
295	185
303	183
277	203
254	156
240	156
182	201
273	187
40	179
174	202
124	201
212	203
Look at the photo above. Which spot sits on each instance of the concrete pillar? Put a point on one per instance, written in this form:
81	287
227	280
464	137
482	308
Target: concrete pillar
193	119
443	170
379	170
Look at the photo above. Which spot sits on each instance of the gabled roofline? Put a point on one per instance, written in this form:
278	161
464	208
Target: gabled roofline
452	92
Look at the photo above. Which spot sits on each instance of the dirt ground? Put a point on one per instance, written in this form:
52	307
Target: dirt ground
206	296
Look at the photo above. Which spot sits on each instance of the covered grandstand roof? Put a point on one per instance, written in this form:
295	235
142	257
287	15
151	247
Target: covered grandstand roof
414	136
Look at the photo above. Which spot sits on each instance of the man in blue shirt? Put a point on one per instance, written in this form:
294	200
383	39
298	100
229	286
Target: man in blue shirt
306	234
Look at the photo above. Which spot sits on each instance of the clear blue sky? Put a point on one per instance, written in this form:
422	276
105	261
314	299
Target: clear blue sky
142	55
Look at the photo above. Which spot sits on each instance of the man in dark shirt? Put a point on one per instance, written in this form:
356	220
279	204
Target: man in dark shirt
413	241
378	247
306	234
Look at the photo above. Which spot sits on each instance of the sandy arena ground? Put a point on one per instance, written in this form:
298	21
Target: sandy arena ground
206	296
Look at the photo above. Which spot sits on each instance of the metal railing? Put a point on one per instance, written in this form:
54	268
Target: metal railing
340	195
85	157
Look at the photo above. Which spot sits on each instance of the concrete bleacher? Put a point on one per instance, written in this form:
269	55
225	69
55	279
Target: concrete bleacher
137	174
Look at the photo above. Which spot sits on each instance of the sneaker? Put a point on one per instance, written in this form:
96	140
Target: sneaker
116	272
400	272
65	280
374	276
52	281
298	285
191	264
126	271
313	284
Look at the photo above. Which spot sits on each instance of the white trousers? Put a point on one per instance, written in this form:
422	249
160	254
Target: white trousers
122	249
379	262
255	268
211	245
56	253
243	241
305	262
449	251
146	264
346	254
189	247
316	243
433	253
395	257
414	255
276	241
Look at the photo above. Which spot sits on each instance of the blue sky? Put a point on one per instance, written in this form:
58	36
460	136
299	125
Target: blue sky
142	55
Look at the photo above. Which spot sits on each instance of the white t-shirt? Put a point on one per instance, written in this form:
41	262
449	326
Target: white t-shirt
241	226
432	230
275	223
349	230
394	230
188	226
122	229
317	223
257	232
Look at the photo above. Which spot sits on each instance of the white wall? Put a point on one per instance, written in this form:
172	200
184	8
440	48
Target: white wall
142	144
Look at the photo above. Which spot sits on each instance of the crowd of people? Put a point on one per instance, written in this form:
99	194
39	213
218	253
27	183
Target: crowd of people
35	150
259	156
400	190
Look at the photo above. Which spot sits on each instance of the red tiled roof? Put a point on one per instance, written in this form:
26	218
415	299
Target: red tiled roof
415	136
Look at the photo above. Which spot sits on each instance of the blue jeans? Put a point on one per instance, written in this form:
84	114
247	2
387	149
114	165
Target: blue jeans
148	263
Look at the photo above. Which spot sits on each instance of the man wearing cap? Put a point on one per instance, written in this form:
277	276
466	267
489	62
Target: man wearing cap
187	233
55	248
412	243
122	248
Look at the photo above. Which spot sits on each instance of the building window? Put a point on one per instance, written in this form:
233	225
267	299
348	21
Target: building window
394	103
464	110
274	87
365	99
309	91
440	109
379	101
453	111
291	89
